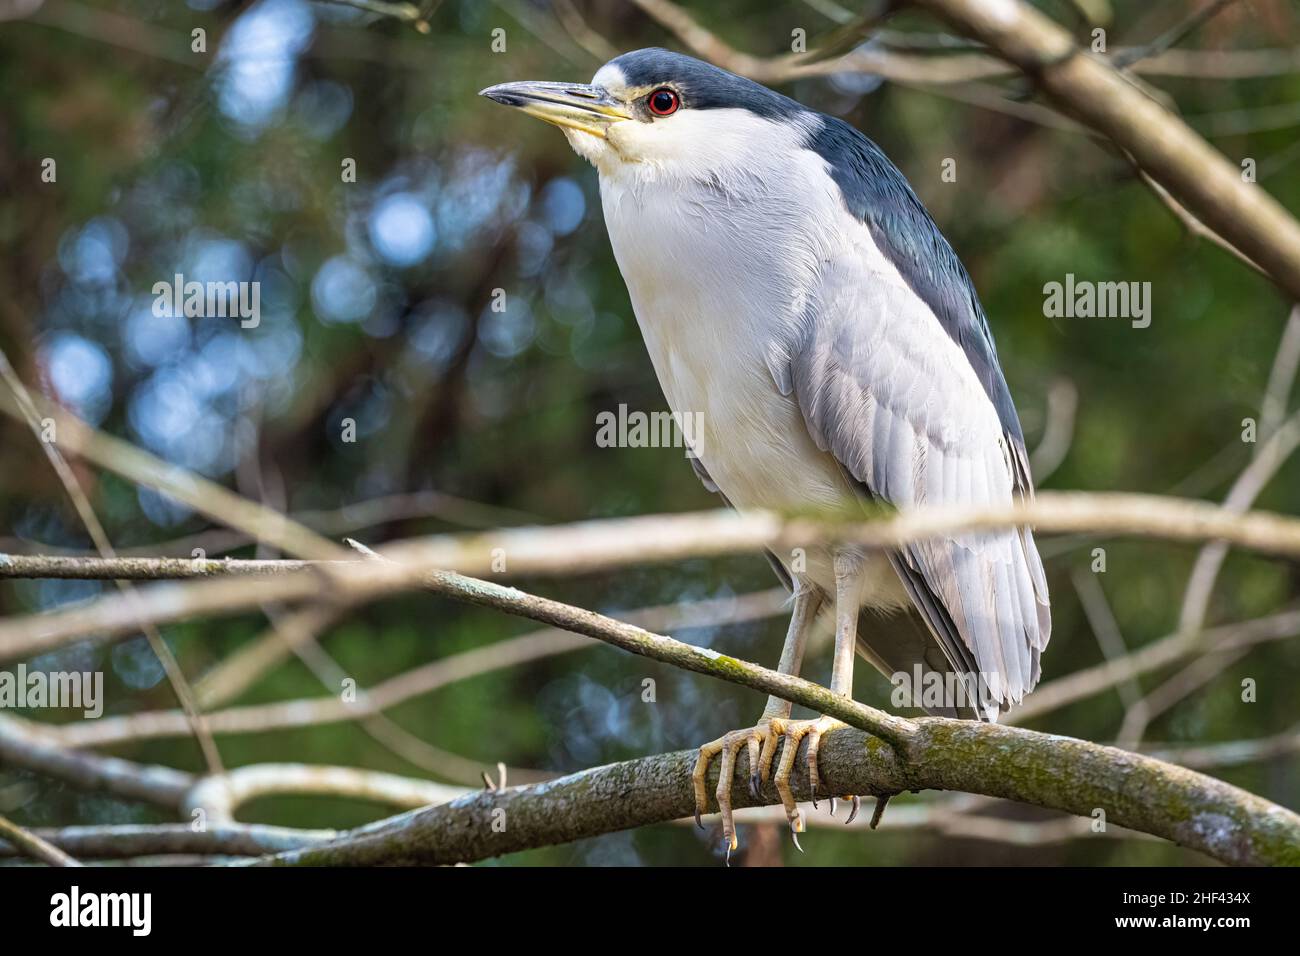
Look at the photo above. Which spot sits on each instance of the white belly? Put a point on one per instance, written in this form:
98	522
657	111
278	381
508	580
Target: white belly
753	440
707	297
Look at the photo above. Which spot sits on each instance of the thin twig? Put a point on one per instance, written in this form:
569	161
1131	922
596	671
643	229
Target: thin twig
206	497
1173	36
1281	377
1058	430
1165	147
1193	225
31	747
1151	657
121	841
404	12
1092	597
371	702
32	845
1273	453
613	543
220	795
86	513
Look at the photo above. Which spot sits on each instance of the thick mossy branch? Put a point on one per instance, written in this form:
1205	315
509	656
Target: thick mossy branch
1133	791
1074	776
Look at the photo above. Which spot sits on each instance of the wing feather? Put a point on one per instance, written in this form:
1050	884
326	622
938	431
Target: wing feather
895	400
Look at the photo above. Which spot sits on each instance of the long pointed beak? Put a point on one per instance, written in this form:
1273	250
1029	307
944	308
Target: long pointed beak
575	105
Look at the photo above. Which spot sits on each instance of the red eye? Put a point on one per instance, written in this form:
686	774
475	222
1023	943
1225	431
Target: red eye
664	102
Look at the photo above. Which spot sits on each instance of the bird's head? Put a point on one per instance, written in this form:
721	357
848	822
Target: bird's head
660	112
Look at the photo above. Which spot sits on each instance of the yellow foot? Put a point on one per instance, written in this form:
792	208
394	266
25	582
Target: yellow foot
760	741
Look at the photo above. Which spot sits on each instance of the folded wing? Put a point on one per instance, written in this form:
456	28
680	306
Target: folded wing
894	397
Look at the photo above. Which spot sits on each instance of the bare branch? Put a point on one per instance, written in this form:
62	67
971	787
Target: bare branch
220	795
233	675
601	49
262	718
404	12
1281	377
1094	92
1134	791
1058	429
81	504
123	841
1194	226
34	846
1097	610
30	747
1272	455
347	519
208	498
1233	752
1191	678
602	545
120	841
1173	36
1161	653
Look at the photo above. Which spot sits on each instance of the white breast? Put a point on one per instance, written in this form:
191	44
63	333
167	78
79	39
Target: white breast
718	271
709	291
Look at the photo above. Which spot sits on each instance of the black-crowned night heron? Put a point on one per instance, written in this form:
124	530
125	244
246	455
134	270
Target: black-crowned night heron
798	300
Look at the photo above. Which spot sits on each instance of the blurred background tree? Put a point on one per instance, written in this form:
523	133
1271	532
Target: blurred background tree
232	163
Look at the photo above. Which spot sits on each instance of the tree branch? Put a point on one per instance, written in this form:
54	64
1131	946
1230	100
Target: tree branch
34	846
591	546
206	497
27	745
1094	92
86	513
220	795
404	12
374	700
120	841
1173	36
1077	777
1152	656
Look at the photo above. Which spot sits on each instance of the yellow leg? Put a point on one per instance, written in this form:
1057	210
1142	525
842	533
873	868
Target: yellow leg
759	740
793	732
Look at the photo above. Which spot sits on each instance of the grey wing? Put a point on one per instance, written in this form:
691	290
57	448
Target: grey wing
886	390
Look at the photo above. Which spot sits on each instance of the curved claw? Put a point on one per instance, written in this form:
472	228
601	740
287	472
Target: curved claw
857	805
755	756
782	776
726	773
760	742
813	733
